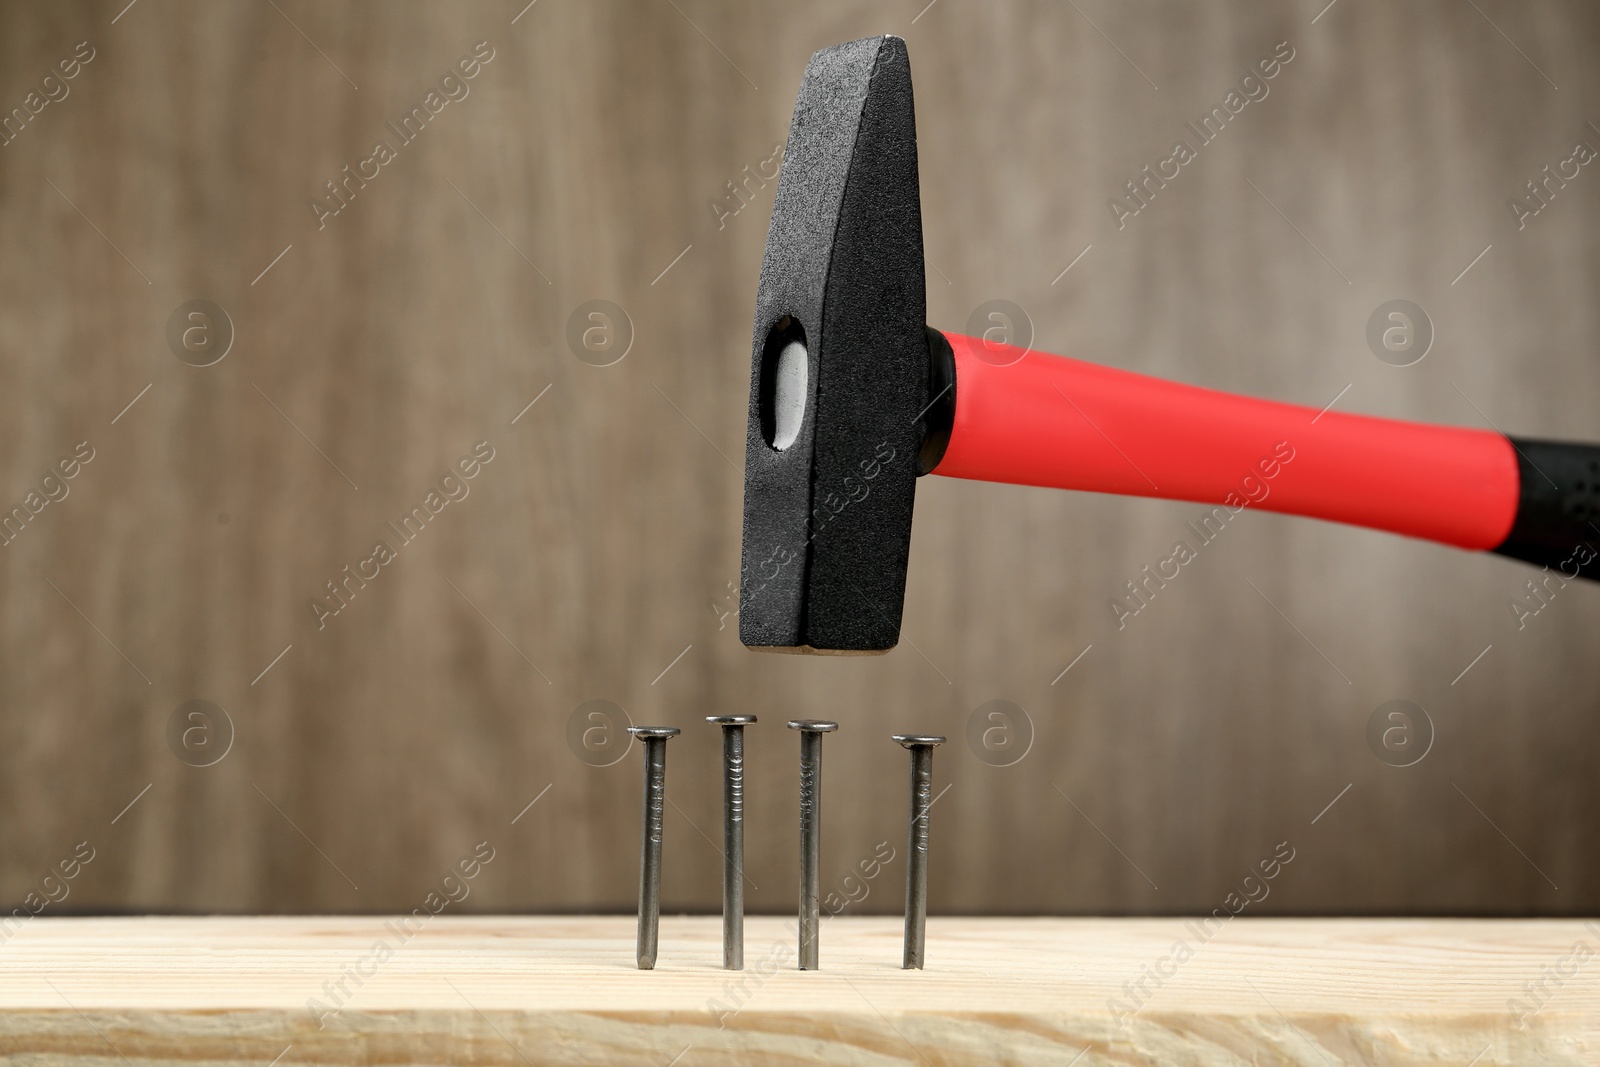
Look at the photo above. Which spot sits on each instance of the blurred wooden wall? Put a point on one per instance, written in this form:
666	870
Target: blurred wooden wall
597	554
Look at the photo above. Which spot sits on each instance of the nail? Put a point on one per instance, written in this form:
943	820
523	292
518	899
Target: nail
732	837
655	802
811	731
921	747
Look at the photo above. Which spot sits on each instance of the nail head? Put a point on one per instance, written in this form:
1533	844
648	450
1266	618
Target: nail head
654	731
918	740
730	720
813	726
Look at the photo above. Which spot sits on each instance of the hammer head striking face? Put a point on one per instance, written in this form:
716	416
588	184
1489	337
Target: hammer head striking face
839	368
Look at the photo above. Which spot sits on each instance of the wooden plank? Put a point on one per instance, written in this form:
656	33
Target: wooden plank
544	990
604	538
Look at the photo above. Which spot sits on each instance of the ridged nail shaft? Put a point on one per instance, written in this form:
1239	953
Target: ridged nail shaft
921	748
732	837
811	731
655	802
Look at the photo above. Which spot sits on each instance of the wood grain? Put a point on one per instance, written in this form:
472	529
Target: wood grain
564	991
602	542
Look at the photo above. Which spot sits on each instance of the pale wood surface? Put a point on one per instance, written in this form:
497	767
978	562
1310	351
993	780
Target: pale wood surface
1021	991
604	538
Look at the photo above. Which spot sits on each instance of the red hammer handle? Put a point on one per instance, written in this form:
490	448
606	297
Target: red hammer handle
1027	418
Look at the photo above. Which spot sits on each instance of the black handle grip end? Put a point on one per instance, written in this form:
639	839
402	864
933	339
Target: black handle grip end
1558	510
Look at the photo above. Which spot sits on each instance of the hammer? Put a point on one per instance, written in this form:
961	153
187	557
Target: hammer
853	397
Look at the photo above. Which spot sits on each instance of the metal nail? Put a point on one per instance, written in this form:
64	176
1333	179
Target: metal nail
921	748
811	731
655	802
732	836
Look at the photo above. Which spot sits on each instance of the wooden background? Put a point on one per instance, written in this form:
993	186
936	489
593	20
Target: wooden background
601	544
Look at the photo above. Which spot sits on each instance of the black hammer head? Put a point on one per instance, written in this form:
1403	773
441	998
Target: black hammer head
839	369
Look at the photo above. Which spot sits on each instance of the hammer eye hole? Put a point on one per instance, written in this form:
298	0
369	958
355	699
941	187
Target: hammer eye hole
789	400
785	375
